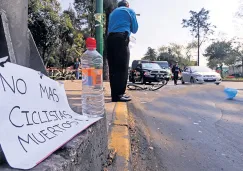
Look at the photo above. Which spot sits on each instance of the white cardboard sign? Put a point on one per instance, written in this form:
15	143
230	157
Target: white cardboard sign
35	117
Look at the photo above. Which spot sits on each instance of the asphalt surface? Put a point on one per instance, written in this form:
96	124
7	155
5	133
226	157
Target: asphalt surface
193	127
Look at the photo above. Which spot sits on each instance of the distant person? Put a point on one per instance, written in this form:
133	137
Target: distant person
122	23
176	71
76	67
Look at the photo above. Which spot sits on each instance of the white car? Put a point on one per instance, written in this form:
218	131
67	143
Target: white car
200	75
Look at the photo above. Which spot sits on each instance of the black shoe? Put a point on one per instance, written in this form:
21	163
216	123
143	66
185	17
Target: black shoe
122	99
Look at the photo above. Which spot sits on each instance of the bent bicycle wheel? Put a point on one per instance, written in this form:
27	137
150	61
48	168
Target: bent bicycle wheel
157	86
134	87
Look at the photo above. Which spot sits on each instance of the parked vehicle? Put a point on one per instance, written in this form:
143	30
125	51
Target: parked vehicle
199	74
146	71
165	67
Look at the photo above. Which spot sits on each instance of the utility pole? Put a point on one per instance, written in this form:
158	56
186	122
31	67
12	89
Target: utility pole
99	26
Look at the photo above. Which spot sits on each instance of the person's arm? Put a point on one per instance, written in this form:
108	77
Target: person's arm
134	26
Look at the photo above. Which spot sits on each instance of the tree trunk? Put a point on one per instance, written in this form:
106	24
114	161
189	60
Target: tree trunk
221	70
198	45
43	53
198	54
106	67
241	66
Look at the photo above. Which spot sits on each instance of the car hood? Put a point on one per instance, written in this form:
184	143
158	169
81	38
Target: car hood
166	70
153	70
206	73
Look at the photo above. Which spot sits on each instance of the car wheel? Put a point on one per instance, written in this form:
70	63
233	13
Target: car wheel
217	83
192	80
182	81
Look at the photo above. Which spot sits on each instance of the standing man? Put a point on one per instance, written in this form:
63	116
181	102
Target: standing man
176	70
76	67
122	23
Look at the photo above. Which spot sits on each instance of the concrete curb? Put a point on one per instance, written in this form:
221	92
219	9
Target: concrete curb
119	138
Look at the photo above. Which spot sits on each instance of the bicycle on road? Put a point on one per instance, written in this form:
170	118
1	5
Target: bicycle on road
161	82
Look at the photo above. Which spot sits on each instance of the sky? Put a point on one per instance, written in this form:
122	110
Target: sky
160	22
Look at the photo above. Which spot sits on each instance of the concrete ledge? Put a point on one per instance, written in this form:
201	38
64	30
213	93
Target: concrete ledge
87	152
119	139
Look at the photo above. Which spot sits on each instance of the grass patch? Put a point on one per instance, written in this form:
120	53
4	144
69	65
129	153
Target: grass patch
233	79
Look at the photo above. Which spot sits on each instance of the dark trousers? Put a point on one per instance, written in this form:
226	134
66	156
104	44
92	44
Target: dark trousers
176	76
118	56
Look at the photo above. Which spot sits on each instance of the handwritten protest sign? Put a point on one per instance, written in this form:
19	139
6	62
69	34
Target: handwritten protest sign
35	117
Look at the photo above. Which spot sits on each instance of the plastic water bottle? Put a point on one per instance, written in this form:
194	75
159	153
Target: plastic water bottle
92	81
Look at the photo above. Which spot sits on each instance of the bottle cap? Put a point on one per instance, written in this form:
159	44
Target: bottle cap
91	43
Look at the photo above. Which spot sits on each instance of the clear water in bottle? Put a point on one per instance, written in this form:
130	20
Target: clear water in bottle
93	104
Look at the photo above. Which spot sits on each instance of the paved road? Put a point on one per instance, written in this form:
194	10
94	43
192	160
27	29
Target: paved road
193	127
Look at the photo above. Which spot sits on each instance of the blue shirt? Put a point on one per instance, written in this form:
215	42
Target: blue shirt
123	19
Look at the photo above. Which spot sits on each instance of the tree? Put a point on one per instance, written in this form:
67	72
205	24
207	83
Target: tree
238	52
189	48
218	53
171	53
199	26
176	50
150	55
166	54
44	21
66	38
86	16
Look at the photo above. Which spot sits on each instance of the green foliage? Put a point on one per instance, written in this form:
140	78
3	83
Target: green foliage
238	53
189	48
225	52
166	54
150	55
219	53
60	35
172	53
199	25
56	33
86	16
51	61
86	20
43	23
